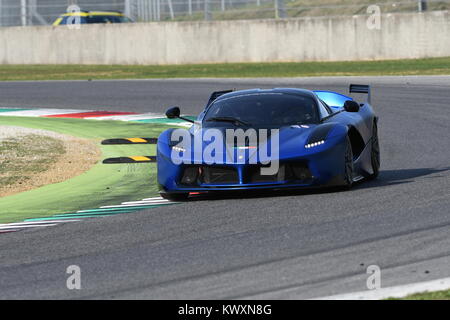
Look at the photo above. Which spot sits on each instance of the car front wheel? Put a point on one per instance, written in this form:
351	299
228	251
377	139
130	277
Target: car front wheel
375	154
348	162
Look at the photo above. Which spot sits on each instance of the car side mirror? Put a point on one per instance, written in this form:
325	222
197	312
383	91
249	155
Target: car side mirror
173	113
351	106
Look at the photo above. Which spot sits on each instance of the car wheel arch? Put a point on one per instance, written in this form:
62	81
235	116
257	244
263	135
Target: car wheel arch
356	141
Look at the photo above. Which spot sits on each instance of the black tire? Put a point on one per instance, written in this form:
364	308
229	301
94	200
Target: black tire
375	154
348	163
175	196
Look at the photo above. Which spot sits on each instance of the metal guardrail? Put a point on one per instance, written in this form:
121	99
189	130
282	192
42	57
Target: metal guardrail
44	12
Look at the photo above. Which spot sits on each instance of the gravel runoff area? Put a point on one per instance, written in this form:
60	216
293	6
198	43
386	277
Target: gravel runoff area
31	158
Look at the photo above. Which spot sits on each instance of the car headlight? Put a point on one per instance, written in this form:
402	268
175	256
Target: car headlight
314	144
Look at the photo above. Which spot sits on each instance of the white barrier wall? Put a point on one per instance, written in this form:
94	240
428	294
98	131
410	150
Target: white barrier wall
410	35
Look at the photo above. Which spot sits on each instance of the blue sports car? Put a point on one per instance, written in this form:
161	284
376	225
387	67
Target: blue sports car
270	139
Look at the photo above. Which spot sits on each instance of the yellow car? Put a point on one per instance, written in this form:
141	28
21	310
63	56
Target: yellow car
84	17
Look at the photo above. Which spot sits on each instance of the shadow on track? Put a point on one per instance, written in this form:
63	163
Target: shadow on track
401	176
386	178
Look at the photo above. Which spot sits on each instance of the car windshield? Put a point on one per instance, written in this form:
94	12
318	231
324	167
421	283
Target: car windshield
72	20
263	109
107	19
94	19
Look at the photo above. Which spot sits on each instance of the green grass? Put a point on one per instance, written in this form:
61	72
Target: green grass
438	295
102	185
432	66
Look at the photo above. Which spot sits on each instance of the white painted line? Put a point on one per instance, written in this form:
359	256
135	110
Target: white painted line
131	117
146	202
24	227
131	205
34	222
41	112
394	292
155	198
140	203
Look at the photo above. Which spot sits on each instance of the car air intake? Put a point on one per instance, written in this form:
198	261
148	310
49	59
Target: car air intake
190	175
300	171
289	172
219	175
254	175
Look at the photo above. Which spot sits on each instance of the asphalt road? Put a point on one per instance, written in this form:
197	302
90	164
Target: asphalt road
284	245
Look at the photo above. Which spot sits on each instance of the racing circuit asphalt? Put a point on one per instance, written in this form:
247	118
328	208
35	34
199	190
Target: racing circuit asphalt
285	245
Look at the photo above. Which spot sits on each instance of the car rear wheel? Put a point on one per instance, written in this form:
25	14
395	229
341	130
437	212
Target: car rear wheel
375	154
348	161
175	196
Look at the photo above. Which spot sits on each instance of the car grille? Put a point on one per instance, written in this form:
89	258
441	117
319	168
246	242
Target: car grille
298	172
253	175
218	175
194	175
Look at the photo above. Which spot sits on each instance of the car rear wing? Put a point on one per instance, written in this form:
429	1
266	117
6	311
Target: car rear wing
361	88
217	94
